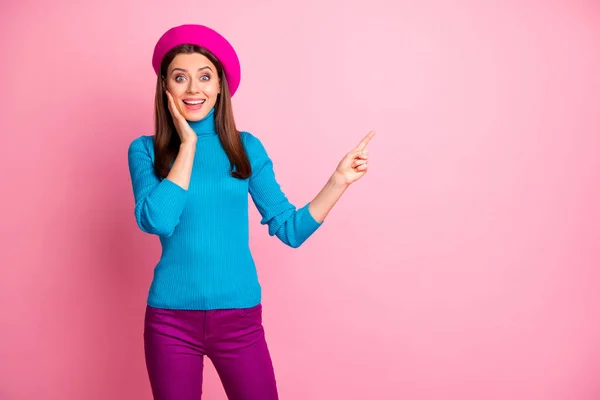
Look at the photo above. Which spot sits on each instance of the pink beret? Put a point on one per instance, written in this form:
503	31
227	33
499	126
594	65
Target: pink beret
205	37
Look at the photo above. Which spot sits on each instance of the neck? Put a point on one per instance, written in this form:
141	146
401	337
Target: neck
205	126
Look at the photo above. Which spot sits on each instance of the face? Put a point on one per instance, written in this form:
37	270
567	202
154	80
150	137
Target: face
193	82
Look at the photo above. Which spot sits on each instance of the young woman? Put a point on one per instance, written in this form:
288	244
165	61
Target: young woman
191	182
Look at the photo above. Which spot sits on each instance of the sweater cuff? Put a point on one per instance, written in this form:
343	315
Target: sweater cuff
174	197
308	224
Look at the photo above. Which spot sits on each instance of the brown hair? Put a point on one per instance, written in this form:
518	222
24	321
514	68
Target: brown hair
166	139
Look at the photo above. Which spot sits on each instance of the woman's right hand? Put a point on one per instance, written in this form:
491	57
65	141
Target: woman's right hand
185	131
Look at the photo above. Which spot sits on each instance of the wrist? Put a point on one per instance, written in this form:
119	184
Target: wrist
337	181
187	145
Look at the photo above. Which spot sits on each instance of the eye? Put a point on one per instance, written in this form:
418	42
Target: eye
205	78
177	78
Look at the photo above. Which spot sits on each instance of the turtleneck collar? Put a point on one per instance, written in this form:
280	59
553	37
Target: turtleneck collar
205	126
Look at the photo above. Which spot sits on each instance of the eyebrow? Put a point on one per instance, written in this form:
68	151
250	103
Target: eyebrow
185	70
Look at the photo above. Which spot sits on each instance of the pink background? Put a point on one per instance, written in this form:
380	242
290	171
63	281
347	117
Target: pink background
464	266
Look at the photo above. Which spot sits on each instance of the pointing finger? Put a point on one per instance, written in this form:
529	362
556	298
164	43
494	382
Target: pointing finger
365	141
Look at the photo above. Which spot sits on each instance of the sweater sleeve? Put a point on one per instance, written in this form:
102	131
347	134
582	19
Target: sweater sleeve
158	202
292	226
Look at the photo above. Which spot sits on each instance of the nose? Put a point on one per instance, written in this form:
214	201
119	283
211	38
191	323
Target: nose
194	86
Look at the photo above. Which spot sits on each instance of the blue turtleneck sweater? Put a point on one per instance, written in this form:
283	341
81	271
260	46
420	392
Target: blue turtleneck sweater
206	261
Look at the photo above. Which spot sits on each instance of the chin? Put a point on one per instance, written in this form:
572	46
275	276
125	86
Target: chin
197	116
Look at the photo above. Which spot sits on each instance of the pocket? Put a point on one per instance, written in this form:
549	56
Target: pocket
252	312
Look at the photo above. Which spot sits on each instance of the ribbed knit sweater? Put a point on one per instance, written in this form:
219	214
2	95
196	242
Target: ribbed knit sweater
206	262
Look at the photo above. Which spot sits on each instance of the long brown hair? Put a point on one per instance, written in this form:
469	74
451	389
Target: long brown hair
166	139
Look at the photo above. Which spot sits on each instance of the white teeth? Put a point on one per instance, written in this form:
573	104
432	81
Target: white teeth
194	102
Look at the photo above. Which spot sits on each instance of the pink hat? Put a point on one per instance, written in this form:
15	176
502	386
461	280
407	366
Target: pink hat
205	37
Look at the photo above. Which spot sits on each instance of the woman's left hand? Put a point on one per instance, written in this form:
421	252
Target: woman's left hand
354	165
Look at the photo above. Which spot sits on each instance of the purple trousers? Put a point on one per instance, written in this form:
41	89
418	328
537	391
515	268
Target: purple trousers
176	341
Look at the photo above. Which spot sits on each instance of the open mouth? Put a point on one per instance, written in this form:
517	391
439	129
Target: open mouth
194	102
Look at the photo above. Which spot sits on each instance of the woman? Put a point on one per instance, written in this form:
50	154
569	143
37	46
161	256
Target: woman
191	182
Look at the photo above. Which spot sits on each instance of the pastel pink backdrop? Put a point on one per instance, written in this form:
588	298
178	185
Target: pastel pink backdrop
464	266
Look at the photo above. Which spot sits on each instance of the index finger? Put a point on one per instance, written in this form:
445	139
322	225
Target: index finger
363	143
169	97
171	104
